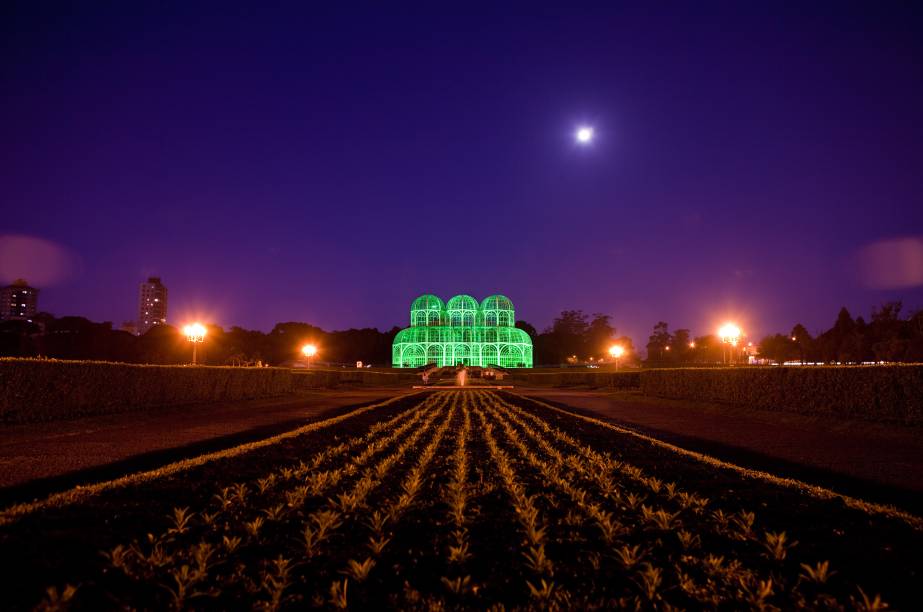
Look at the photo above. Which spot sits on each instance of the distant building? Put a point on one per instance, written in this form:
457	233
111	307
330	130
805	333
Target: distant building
18	301
152	305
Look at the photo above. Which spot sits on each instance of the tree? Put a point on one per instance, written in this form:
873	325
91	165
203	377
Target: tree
565	337
804	343
681	351
598	336
658	342
778	348
527	327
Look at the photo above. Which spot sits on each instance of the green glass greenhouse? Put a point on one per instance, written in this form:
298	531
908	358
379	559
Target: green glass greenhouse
462	331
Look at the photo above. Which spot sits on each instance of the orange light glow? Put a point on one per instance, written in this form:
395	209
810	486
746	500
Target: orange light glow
194	332
730	333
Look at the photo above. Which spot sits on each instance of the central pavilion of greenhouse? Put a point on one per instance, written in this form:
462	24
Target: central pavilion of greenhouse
462	332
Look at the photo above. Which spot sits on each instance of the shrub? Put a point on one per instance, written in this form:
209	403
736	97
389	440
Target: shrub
303	380
44	390
615	380
889	393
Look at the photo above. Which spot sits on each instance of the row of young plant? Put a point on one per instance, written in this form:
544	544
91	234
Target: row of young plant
579	528
256	539
650	542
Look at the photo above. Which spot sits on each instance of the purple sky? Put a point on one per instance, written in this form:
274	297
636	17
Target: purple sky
330	165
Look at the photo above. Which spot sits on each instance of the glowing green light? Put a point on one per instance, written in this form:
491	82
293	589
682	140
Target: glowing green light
462	332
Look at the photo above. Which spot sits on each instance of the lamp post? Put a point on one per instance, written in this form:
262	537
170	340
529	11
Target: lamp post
730	335
195	333
616	351
309	351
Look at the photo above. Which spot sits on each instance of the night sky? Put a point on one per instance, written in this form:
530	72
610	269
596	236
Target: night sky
328	163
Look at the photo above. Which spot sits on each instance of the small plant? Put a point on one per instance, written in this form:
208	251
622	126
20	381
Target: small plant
377	521
275	581
180	519
377	544
459	586
819	573
543	592
537	561
338	594
359	571
119	557
629	556
224	498
649	580
253	527
757	594
230	544
275	513
744	523
866	604
688	540
57	600
459	553
777	545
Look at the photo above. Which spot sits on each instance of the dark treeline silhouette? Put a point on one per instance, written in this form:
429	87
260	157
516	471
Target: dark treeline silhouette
886	337
80	338
575	336
572	333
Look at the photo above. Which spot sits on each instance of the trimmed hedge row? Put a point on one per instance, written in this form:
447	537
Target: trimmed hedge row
615	380
44	390
880	393
326	379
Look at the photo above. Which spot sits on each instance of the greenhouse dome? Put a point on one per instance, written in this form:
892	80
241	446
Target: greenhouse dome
462	332
427	310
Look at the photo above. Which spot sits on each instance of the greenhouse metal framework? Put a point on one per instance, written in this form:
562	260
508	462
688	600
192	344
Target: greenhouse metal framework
462	332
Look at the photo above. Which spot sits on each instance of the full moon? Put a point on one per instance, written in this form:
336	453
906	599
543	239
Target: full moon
584	134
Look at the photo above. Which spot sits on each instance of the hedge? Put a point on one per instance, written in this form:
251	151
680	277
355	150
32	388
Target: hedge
616	380
45	390
325	379
881	393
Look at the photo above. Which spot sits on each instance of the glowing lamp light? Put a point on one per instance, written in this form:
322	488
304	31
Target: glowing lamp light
309	350
584	134
616	351
195	333
730	333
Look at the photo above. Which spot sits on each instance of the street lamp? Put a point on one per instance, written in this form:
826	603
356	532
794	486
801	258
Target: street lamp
616	351
195	333
309	351
730	334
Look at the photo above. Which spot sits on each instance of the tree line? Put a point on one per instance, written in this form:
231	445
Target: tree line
887	336
572	333
80	338
572	336
575	336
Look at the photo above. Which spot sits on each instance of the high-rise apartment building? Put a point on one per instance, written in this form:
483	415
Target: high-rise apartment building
152	307
18	301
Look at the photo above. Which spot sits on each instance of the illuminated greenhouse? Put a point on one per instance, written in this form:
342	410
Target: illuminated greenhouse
462	332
